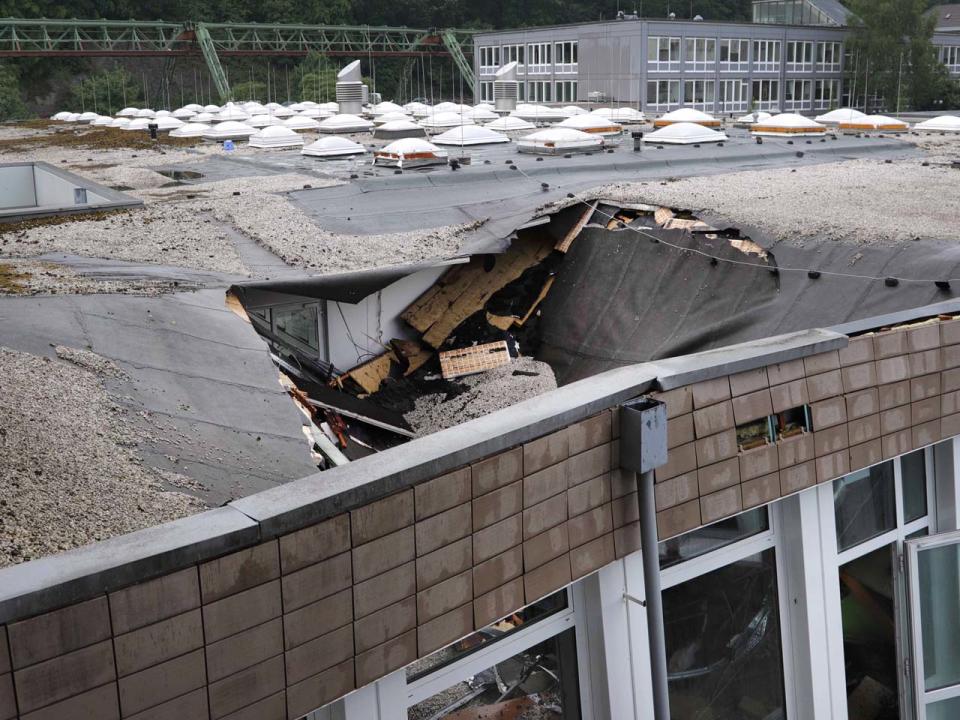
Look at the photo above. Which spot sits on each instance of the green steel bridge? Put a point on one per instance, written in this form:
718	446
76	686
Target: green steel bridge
131	38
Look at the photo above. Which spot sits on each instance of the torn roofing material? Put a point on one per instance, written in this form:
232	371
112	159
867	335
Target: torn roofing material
204	394
621	299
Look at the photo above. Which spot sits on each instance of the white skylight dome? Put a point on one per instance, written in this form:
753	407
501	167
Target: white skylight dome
538	113
486	107
128	112
470	135
788	125
480	115
558	140
271	106
417	109
443	107
233	112
120	122
313	113
102	121
385	107
571	110
298	122
687	115
592	124
211	108
229	130
333	146
622	115
254	108
73	117
835	117
205	117
87	117
162	113
439	121
145	113
754	117
941	123
262	121
61	116
410	152
193	107
276	136
138	123
511	123
307	104
190	130
183	113
684	134
396	129
389	117
283	112
345	123
333	107
168	122
875	122
297	107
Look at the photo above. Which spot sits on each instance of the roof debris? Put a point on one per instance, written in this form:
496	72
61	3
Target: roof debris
474	359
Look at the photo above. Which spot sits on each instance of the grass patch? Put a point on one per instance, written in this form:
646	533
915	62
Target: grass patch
99	216
96	139
12	282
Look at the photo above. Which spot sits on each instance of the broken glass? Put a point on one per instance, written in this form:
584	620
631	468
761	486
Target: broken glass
864	505
713	537
724	657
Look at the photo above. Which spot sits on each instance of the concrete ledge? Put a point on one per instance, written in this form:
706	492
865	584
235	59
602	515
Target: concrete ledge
58	580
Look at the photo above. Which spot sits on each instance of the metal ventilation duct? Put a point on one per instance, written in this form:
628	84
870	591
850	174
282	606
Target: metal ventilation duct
351	92
506	88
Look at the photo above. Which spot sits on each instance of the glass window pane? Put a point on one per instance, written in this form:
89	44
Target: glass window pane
497	631
723	649
944	710
938	571
913	470
538	682
713	537
864	505
300	324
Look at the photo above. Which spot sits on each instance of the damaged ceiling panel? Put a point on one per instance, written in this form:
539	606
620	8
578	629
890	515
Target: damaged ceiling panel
621	298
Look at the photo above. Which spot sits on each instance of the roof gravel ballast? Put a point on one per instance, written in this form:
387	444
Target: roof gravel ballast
345	123
941	123
397	129
684	134
470	135
557	141
190	130
840	115
333	146
688	115
276	136
788	125
594	124
410	153
229	130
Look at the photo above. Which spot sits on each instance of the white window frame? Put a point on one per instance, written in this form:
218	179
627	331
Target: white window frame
740	90
805	99
699	54
539	91
708	86
772	102
766	55
769	539
829	94
565	91
834	55
489	61
950	57
486	91
743	52
539	58
671	103
802	49
566	56
832	559
514	53
672	63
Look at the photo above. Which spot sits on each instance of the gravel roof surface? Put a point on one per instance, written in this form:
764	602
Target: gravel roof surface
863	202
487	392
70	473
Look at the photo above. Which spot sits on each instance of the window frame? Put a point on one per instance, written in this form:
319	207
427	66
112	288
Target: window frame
539	58
565	91
539	91
672	63
773	100
566	56
700	59
668	105
806	52
741	104
743	53
805	101
763	50
709	90
836	55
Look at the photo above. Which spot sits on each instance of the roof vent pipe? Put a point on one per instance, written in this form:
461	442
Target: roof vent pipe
506	88
351	92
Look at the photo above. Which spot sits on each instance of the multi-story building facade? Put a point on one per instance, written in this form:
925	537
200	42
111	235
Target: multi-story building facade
660	65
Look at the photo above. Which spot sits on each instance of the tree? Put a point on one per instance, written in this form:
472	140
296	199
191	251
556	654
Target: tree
12	106
106	91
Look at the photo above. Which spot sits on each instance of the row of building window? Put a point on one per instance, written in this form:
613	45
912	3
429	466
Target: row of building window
950	56
561	91
736	95
700	54
560	57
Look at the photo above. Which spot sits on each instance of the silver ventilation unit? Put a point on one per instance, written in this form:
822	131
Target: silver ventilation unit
506	88
351	92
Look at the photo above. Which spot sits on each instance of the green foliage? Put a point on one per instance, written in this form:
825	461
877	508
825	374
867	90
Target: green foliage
12	106
244	91
106	91
894	59
317	78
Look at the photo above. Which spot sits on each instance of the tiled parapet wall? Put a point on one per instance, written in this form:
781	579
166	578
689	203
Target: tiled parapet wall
883	395
280	628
